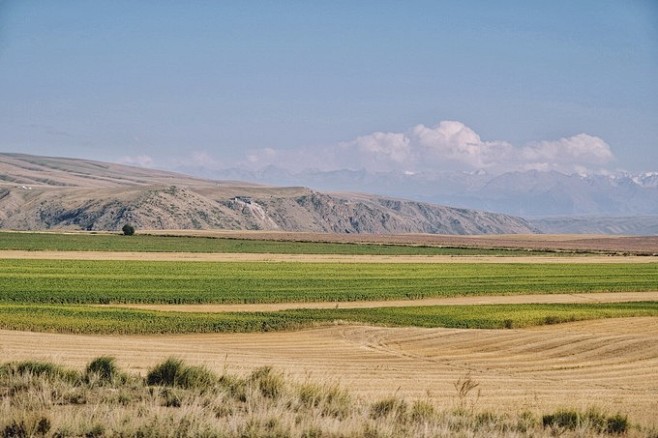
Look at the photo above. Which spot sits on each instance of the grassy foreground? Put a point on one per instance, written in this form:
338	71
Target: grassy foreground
149	243
39	399
86	319
107	281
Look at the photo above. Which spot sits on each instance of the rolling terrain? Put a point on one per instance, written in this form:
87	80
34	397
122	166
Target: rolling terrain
38	193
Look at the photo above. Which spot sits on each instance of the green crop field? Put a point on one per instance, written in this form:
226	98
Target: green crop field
148	243
88	319
104	282
59	295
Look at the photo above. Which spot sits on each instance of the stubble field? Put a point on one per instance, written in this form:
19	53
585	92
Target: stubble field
608	363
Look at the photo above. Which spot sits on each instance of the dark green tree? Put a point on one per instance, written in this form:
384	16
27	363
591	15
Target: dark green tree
128	230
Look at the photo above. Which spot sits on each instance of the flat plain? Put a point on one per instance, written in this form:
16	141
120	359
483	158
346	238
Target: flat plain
551	347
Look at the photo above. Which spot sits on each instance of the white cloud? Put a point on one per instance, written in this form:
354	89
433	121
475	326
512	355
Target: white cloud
454	143
579	150
449	145
380	151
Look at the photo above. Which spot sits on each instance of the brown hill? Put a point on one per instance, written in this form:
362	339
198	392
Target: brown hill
43	193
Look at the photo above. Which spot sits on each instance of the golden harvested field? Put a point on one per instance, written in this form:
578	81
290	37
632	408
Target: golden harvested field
609	363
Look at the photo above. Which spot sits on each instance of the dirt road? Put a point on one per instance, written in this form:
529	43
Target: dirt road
617	297
313	258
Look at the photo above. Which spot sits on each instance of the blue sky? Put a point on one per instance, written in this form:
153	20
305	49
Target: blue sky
386	85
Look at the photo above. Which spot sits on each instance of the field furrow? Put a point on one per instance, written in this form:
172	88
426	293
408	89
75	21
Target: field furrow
610	363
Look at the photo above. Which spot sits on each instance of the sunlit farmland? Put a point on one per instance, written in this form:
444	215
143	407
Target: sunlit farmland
111	281
63	306
87	319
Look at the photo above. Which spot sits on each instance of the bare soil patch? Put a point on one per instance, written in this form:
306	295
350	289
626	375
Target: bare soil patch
618	297
609	363
314	258
553	242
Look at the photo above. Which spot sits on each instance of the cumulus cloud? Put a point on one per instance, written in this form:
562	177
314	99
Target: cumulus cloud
380	150
455	143
579	150
448	145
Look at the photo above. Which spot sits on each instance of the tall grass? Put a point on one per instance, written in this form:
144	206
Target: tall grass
262	404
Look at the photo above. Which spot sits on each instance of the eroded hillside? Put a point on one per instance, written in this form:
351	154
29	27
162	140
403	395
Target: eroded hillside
43	193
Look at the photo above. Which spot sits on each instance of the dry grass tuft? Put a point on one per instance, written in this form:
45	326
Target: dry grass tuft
40	399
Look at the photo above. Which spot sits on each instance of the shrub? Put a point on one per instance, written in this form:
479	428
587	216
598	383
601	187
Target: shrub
196	377
595	419
389	406
337	402
173	372
617	424
104	369
166	373
485	420
44	369
172	399
15	430
526	421
382	408
128	230
237	387
310	395
43	426
37	426
37	368
564	419
270	384
422	411
96	431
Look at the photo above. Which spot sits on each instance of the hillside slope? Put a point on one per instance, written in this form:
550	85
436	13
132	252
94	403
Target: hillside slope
59	193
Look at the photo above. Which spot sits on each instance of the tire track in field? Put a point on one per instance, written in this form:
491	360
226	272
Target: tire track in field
610	363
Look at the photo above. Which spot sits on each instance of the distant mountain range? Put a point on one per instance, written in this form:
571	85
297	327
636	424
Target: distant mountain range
528	194
623	225
39	193
42	193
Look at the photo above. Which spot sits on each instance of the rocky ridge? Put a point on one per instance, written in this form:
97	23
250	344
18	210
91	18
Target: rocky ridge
39	193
